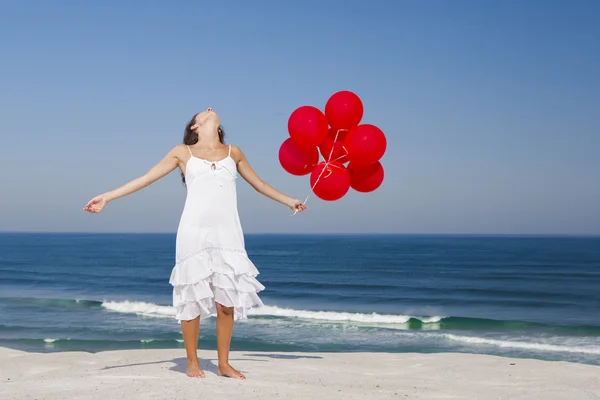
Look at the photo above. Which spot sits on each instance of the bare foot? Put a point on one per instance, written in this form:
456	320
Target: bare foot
229	372
193	370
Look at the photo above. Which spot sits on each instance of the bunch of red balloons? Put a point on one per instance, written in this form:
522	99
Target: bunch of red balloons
350	150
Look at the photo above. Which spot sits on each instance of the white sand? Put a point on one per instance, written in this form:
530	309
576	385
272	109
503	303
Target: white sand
159	374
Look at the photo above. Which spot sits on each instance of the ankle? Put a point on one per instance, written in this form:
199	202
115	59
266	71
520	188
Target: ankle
192	360
224	364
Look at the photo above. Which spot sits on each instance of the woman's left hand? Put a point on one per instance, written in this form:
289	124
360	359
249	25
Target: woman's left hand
296	205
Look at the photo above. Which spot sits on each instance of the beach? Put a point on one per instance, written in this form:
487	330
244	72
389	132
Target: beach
385	317
160	374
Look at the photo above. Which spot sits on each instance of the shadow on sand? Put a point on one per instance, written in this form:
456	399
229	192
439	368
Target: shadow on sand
280	356
180	364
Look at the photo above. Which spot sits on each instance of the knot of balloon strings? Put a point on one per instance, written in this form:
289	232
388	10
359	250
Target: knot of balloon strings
327	165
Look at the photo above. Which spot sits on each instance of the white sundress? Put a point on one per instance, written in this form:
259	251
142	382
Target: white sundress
212	265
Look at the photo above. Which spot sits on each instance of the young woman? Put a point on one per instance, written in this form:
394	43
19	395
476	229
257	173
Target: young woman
212	274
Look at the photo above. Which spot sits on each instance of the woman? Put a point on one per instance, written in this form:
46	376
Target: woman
212	274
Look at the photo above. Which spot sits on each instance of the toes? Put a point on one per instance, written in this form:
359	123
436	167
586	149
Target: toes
196	374
230	372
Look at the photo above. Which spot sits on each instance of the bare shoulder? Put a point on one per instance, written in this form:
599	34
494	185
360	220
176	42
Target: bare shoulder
180	147
236	153
180	151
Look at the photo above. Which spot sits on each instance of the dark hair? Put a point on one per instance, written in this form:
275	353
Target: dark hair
190	137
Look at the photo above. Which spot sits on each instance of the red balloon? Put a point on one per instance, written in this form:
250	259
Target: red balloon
333	183
344	110
295	160
365	178
339	152
341	134
307	126
366	144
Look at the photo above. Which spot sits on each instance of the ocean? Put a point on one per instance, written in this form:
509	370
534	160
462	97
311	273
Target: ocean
515	296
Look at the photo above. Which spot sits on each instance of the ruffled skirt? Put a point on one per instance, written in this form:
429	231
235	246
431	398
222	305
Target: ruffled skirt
215	275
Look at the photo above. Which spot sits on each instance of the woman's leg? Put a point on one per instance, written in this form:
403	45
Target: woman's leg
224	331
190	330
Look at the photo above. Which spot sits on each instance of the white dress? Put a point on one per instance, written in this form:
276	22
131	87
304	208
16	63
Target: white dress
211	261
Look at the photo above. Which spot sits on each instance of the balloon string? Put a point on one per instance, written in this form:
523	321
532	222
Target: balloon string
327	164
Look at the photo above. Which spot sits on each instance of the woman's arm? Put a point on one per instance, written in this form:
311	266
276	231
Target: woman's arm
259	185
164	166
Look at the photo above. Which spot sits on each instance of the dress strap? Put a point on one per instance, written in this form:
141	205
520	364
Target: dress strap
229	155
190	150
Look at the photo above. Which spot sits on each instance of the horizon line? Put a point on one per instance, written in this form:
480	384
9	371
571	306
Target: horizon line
590	235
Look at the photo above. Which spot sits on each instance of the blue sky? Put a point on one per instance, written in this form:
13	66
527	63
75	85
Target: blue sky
490	109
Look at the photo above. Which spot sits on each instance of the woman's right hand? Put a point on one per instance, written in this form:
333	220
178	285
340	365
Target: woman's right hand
96	204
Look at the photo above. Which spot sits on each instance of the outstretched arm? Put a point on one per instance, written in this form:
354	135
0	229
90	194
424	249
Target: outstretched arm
164	166
260	186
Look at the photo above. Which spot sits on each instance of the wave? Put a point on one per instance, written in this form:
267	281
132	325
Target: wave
91	344
522	345
150	309
140	308
341	316
55	303
472	344
388	321
383	320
